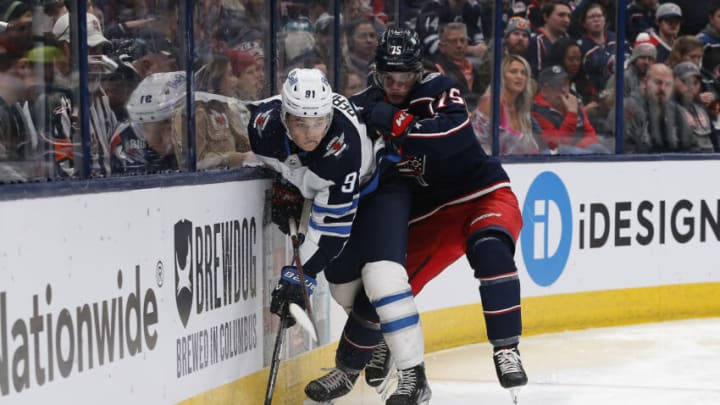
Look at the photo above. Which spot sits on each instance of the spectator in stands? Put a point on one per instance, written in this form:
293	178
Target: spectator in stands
556	15
640	17
642	57
437	13
581	9
564	125
517	126
566	53
19	18
361	39
351	83
516	42
103	121
245	69
654	123
451	61
14	133
252	42
150	141
598	46
517	37
53	115
688	48
668	17
687	92
220	119
710	35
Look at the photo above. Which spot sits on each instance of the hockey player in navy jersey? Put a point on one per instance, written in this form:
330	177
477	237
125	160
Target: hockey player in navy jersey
313	138
461	200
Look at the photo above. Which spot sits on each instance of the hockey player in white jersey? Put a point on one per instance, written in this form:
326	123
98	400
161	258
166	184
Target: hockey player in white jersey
313	138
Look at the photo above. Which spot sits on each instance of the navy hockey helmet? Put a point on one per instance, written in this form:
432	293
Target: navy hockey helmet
399	50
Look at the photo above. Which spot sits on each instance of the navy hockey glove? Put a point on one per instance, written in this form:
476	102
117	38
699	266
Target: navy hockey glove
289	290
390	122
287	202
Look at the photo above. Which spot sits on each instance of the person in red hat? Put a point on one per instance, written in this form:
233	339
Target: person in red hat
245	69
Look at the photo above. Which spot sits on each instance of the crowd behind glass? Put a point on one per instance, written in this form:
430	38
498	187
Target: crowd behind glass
557	78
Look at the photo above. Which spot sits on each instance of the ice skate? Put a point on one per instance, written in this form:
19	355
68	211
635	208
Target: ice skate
332	385
379	371
412	389
509	369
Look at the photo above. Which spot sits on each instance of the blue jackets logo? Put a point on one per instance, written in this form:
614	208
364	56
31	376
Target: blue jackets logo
547	232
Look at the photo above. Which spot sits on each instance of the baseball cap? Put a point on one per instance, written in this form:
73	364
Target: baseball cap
668	10
61	30
240	60
686	70
552	75
517	23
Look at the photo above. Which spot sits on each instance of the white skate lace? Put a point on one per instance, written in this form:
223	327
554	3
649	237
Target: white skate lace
508	361
334	379
407	382
378	356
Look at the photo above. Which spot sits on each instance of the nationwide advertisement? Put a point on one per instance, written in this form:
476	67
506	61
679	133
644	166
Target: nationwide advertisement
146	296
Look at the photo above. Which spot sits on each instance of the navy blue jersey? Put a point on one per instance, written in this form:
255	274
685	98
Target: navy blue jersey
130	153
331	175
440	152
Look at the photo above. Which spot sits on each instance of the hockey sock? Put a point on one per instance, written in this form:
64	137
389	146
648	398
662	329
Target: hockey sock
491	256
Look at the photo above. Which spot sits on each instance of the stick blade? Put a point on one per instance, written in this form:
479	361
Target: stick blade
302	318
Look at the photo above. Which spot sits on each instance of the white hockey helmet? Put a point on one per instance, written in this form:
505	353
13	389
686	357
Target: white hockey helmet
306	93
157	97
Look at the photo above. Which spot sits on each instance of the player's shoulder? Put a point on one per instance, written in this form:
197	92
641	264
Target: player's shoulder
344	111
433	84
265	114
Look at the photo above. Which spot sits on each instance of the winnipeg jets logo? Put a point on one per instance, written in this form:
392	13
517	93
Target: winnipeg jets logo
336	146
218	120
261	121
413	166
183	269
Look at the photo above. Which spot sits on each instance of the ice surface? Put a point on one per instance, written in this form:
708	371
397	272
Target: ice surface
669	363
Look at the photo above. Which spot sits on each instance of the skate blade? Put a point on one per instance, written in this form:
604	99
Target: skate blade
383	387
514	394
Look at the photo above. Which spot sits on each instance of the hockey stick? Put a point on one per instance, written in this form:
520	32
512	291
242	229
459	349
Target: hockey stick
303	318
275	362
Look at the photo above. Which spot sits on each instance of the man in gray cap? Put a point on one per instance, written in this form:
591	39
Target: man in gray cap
668	17
643	55
687	89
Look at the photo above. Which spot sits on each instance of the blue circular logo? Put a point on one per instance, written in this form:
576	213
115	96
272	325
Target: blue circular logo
547	228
